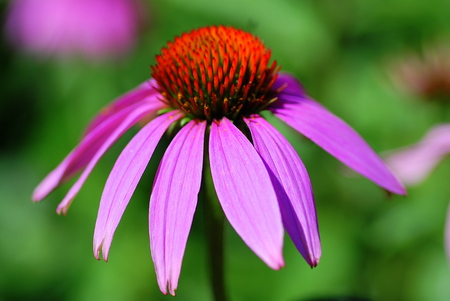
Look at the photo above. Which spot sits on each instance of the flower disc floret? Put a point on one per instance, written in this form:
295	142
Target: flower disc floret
216	72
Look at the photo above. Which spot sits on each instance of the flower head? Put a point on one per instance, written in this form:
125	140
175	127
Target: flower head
213	73
212	83
93	28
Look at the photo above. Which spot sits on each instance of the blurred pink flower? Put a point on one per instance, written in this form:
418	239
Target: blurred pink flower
92	28
414	163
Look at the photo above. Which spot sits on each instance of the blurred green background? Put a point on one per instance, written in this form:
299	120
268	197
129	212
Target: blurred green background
374	246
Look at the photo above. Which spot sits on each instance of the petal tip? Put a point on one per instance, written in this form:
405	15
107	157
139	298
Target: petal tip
314	262
35	197
402	191
105	251
62	210
173	291
276	263
397	188
164	287
97	253
99	246
40	192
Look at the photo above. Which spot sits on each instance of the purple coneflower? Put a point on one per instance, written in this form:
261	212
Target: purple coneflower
212	84
93	28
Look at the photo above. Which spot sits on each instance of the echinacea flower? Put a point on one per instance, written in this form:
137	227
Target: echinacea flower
212	84
93	28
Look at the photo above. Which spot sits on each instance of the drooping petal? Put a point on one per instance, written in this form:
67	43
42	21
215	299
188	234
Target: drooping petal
414	163
124	178
336	137
132	118
145	92
292	185
173	202
245	192
86	149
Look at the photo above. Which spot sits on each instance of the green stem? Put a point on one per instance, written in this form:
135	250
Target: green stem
214	223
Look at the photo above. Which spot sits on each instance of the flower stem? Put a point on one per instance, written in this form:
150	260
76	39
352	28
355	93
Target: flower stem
214	223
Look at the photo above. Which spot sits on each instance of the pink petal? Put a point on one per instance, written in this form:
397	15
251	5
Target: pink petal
145	92
245	192
128	122
336	137
124	178
173	202
414	163
293	187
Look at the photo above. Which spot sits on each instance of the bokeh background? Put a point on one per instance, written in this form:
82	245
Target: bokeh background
375	246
